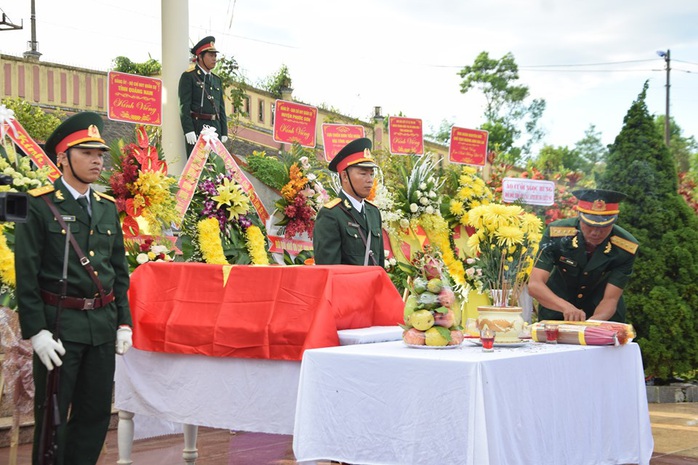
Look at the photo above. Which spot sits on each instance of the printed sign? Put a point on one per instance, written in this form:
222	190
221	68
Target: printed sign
336	136
134	99
406	136
294	122
529	191
468	146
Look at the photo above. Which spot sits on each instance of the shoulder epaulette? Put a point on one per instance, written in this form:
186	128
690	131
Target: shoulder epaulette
562	231
39	191
333	203
105	196
628	246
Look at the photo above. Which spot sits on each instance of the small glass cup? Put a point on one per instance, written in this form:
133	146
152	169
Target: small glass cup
487	338
552	332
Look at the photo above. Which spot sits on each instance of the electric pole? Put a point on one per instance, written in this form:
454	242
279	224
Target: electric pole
667	126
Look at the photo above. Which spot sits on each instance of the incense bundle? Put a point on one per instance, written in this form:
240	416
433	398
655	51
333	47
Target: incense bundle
586	332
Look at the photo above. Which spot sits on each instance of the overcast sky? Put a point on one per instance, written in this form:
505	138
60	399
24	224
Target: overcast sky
587	59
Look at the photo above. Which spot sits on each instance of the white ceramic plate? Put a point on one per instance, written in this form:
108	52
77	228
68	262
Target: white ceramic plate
477	342
414	346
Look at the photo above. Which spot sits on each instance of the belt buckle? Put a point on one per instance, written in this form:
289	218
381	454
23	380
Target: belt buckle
213	118
89	304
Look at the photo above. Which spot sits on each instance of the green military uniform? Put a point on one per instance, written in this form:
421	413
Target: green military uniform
337	233
201	100
89	336
581	280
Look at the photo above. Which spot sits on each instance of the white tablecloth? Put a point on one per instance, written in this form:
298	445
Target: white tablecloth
234	393
389	404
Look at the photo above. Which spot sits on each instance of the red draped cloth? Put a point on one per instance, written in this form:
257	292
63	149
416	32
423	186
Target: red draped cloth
272	312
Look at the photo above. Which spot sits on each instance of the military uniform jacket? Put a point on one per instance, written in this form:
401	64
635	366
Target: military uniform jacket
201	93
336	237
39	252
580	281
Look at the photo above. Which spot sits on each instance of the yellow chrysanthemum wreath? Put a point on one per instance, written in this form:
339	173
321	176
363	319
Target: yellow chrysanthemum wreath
210	242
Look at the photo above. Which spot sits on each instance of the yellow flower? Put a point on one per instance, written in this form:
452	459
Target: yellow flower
210	242
232	196
7	262
256	246
456	207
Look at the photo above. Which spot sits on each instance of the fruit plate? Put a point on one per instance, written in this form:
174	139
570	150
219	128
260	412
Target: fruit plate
477	342
415	346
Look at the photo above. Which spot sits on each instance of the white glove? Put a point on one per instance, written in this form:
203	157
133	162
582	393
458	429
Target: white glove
124	339
224	139
47	349
190	137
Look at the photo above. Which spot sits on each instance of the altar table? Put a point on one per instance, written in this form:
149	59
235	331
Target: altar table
390	404
262	312
220	346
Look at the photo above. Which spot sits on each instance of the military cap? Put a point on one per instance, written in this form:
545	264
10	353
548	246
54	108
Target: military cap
355	153
598	207
207	44
81	130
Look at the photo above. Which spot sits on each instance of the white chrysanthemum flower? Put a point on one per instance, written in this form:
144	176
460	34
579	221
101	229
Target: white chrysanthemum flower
424	201
142	258
404	223
414	207
430	210
423	186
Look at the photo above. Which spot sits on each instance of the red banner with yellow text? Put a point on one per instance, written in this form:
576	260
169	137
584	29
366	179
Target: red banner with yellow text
294	122
134	99
468	146
406	136
20	137
336	136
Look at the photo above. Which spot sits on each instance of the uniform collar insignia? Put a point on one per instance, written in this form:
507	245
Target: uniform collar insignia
347	204
608	248
96	197
575	242
59	195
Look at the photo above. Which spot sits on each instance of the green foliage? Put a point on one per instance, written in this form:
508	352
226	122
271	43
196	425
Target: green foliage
151	67
662	295
277	82
507	113
442	135
38	124
271	171
590	150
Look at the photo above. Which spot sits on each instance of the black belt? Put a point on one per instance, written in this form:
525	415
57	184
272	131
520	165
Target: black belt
77	303
204	116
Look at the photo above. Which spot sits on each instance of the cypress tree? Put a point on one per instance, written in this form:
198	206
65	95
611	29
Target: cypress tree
662	295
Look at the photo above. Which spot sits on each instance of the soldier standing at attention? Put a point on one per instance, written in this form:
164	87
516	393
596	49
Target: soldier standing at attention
201	95
95	320
585	262
348	230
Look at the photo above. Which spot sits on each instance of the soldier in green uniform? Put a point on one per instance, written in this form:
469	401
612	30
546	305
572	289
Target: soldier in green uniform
95	320
201	101
585	262
348	229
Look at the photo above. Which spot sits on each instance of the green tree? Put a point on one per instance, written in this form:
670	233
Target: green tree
151	67
684	150
662	295
277	82
591	150
508	114
38	124
551	160
442	135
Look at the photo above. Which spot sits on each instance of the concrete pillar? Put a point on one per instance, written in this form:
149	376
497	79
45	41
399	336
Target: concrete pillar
378	128
175	59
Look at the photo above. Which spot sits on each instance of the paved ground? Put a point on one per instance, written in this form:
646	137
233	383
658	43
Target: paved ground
674	426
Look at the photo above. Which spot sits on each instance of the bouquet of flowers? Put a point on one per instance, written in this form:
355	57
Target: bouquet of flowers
147	250
468	191
506	243
301	198
139	183
219	227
